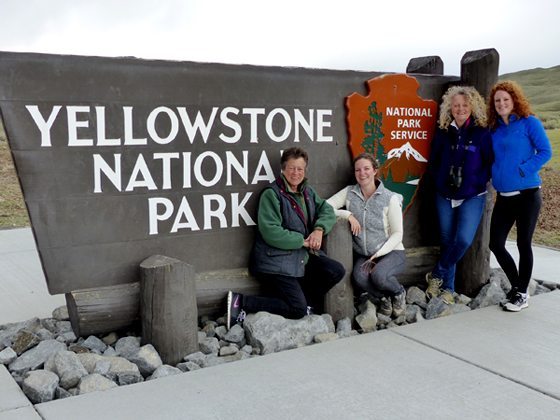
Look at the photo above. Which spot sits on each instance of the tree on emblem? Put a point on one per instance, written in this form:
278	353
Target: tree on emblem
373	133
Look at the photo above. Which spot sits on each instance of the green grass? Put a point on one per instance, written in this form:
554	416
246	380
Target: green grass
542	88
554	136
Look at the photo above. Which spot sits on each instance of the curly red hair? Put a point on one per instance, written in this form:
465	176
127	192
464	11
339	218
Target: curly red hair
521	106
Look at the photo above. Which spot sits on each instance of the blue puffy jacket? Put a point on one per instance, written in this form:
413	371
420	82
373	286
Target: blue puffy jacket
521	148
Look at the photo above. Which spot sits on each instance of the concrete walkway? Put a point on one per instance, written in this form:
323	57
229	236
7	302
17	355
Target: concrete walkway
483	364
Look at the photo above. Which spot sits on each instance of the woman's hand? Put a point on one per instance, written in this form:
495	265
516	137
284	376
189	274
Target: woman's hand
314	240
354	225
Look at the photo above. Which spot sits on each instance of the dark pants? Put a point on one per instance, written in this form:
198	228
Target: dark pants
290	296
523	210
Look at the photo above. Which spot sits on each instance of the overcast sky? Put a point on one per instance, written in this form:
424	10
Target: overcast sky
357	35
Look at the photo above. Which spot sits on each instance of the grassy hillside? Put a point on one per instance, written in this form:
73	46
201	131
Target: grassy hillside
542	86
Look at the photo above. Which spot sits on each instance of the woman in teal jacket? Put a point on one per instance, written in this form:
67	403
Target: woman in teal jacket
521	148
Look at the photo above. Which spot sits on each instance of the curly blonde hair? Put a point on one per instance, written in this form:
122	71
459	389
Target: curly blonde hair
521	106
473	98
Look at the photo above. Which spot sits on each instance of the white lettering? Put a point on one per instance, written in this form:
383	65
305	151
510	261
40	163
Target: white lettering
287	125
166	167
217	213
113	175
253	113
74	124
140	168
184	210
151	125
300	121
154	216
321	123
43	126
242	170
129	139
198	169
101	139
228	122
199	124
238	209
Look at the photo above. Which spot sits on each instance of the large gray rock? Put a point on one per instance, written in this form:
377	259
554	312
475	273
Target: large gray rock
163	371
228	350
94	382
416	296
44	334
24	340
110	338
187	366
147	359
68	367
7	356
95	344
272	333
40	386
437	308
89	360
61	313
344	327
490	294
324	337
63	327
36	357
209	345
122	371
498	276
127	346
367	319
8	331
197	357
67	337
236	334
413	313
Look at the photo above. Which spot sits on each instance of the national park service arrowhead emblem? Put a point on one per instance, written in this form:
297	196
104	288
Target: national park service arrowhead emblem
395	125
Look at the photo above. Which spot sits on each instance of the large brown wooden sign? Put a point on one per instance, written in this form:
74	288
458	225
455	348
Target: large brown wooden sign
120	159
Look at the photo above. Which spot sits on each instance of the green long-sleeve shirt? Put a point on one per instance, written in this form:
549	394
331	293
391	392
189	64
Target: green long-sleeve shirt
270	218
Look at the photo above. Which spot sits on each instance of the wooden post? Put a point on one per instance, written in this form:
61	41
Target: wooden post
339	302
168	307
480	70
103	309
425	65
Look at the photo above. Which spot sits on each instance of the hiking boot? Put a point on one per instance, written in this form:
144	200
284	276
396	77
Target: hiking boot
399	304
518	302
385	307
434	285
447	296
509	296
234	312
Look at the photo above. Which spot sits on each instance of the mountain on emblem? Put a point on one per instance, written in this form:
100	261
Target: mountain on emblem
408	151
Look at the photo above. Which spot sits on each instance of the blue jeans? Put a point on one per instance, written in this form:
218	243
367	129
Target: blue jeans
457	229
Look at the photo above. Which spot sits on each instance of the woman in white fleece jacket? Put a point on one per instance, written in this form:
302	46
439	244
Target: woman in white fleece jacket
375	217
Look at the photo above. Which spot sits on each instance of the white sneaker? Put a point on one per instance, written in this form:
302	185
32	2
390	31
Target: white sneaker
518	302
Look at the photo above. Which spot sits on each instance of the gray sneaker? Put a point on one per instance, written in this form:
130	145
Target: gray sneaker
399	304
385	307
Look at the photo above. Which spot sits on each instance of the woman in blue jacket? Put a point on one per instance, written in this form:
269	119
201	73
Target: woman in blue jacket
521	148
460	162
